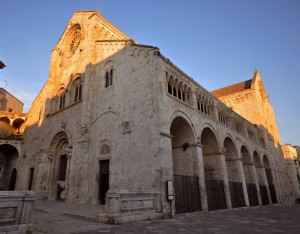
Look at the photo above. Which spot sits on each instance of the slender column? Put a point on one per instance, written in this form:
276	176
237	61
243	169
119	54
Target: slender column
242	175
278	187
226	182
202	186
257	185
214	112
266	183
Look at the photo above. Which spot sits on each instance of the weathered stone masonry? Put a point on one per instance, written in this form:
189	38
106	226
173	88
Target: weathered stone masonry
116	120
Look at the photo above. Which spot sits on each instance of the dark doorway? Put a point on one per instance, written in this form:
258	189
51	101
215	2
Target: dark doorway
13	179
30	178
62	174
103	181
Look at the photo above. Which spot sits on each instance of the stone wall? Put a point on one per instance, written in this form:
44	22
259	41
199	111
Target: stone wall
15	211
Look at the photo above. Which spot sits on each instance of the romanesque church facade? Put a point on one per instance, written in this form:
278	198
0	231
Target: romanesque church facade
120	125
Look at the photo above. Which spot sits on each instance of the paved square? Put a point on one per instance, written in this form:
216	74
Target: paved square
54	217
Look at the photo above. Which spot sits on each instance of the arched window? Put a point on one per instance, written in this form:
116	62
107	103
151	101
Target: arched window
109	78
62	101
78	92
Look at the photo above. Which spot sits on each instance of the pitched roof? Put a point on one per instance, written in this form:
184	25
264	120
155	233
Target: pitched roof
235	88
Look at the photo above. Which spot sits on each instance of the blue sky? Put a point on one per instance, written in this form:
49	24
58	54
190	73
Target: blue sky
216	42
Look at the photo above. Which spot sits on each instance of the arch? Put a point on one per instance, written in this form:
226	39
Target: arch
76	89
9	159
109	72
59	152
213	169
5	125
181	114
61	97
185	169
250	176
246	157
261	178
105	149
266	162
18	126
231	152
210	141
256	159
234	173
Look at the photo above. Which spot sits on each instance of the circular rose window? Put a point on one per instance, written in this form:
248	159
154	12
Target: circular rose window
73	39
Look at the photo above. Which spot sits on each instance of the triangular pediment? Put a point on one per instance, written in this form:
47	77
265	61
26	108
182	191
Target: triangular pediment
93	25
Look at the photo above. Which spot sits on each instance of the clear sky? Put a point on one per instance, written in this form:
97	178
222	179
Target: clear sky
216	42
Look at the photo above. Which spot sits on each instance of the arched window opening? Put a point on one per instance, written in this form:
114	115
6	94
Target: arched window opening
78	93
62	101
109	78
169	89
179	94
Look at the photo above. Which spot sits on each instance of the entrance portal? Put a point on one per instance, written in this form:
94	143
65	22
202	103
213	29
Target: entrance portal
103	181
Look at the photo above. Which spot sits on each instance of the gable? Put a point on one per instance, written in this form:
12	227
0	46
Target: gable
91	25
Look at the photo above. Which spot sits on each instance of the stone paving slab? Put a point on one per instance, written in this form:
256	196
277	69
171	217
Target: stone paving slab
268	219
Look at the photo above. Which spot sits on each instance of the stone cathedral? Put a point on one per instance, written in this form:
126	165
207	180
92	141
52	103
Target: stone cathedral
118	124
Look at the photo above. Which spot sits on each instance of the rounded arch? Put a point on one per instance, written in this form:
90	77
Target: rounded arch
182	115
184	158
18	126
59	152
234	172
209	141
61	89
256	159
213	169
58	142
5	124
246	157
9	158
104	147
266	162
230	147
108	65
182	132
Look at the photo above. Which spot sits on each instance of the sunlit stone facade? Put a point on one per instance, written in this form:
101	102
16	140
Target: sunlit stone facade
117	120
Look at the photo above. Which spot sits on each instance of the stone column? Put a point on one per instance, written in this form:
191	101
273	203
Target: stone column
257	185
214	112
49	180
226	182
266	183
202	186
277	185
242	174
